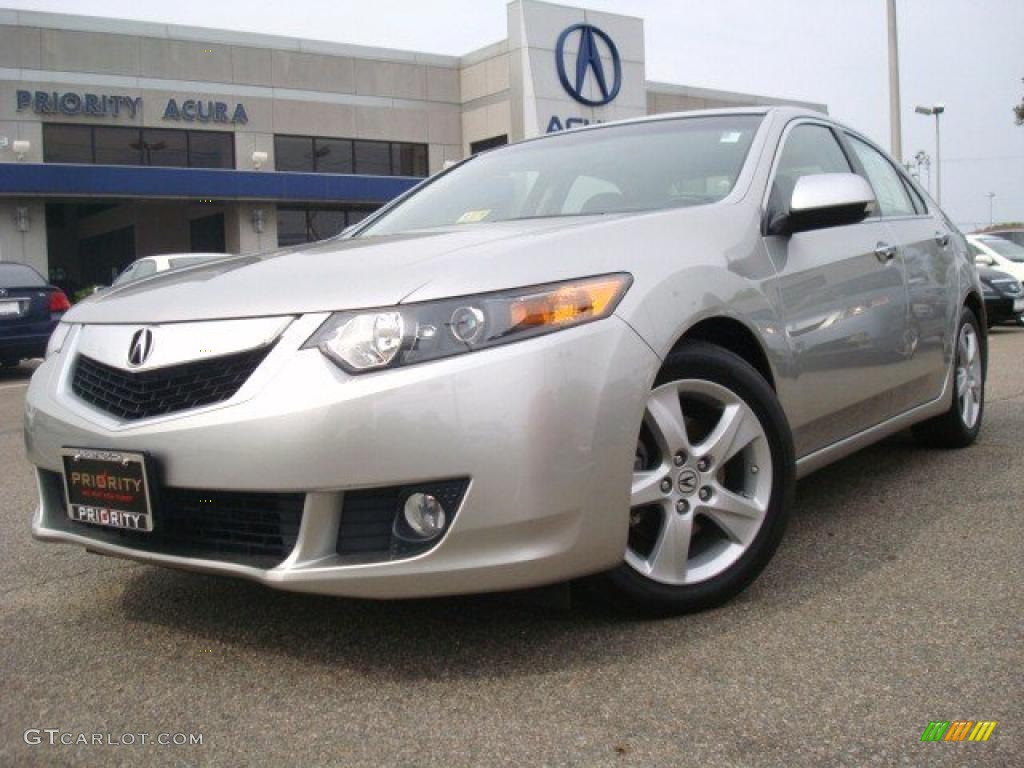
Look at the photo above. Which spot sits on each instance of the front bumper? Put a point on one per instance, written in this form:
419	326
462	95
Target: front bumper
22	347
545	431
1002	309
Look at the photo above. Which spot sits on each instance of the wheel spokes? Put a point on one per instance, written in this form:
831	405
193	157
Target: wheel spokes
739	517
665	419
671	552
647	488
736	429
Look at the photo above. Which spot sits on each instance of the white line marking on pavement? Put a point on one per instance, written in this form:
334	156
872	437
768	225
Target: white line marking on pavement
13	386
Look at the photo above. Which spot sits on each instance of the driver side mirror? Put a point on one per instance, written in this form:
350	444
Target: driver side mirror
823	200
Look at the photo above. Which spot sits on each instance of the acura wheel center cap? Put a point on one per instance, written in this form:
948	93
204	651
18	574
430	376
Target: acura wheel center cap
688	481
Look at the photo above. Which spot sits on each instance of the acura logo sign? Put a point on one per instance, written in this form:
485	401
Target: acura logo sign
588	61
141	346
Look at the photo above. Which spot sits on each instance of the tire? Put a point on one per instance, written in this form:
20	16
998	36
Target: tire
725	549
955	428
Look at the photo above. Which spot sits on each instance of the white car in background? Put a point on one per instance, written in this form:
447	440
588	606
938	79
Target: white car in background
998	253
150	265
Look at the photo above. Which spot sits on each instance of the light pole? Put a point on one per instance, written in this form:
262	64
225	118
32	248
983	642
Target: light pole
991	220
937	110
895	132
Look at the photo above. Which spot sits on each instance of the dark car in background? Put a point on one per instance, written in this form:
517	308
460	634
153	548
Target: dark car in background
1004	296
30	309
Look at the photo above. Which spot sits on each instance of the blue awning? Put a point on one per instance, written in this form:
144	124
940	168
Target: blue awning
53	180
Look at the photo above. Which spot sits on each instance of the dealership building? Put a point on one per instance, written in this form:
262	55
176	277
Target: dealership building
122	139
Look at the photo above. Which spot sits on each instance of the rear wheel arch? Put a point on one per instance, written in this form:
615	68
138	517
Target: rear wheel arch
732	335
975	303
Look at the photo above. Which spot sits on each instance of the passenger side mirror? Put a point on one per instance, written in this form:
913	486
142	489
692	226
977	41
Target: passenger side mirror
824	200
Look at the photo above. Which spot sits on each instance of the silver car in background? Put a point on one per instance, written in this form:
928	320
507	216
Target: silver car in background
608	352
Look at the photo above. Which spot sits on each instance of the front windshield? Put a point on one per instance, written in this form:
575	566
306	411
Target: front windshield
1005	248
638	167
136	271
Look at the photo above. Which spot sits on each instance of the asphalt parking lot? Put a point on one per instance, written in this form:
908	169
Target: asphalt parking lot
895	600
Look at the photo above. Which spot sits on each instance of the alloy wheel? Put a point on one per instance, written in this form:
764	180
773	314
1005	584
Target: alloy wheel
968	375
702	483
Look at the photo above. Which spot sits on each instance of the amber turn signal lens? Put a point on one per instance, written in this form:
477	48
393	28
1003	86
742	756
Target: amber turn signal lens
569	303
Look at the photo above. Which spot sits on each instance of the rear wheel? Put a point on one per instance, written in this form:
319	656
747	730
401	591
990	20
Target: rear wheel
959	426
712	477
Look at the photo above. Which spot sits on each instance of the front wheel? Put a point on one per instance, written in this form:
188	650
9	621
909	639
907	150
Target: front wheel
713	477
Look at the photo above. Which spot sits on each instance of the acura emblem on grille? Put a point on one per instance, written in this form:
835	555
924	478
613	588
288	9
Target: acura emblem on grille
3	291
141	346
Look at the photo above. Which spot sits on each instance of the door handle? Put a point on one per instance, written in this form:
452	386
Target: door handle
942	238
885	252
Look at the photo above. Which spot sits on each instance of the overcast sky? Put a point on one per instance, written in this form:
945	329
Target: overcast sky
966	54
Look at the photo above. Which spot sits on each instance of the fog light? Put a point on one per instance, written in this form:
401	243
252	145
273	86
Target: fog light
424	515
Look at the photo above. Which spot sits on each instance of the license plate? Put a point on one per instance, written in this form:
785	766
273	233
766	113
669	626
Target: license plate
108	488
10	308
1018	305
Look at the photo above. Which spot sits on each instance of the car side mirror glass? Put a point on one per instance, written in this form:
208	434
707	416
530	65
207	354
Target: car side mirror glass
823	200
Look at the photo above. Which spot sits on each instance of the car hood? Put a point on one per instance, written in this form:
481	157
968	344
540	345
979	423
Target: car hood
357	273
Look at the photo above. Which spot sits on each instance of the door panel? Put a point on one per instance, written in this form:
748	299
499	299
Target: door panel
932	295
846	322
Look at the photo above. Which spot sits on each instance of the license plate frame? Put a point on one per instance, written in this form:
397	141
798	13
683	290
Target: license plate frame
109	489
10	308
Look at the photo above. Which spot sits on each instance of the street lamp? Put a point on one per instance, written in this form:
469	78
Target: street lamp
991	220
937	110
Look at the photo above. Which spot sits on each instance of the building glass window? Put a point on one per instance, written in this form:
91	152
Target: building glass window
484	144
211	149
291	226
165	148
293	153
110	145
409	159
306	224
315	154
67	143
333	155
117	146
373	158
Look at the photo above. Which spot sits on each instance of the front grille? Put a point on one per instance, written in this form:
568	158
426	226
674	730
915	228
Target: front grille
258	529
132	395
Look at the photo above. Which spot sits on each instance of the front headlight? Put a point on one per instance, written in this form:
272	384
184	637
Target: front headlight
368	340
56	342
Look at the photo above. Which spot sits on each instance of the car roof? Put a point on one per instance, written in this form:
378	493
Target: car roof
783	112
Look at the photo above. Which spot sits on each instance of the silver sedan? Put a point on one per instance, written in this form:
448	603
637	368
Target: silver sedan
607	353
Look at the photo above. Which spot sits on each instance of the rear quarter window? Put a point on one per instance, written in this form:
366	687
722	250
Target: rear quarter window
20	276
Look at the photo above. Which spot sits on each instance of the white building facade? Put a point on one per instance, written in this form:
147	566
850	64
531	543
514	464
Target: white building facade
122	139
